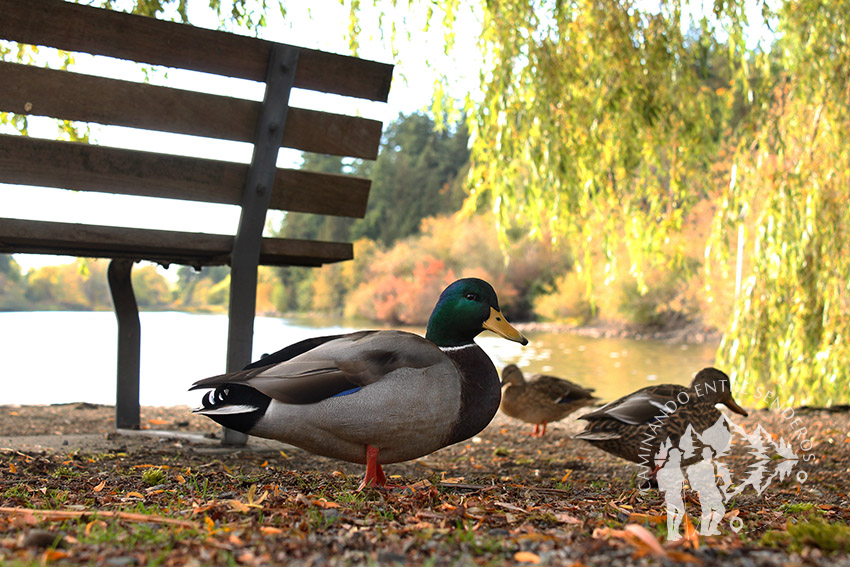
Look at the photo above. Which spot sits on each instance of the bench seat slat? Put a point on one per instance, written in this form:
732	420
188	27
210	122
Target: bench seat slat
161	246
86	167
33	90
75	27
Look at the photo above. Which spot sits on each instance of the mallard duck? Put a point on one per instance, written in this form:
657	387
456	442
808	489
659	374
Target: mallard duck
541	399
634	426
374	397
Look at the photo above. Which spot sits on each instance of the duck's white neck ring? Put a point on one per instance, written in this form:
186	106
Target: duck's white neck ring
456	348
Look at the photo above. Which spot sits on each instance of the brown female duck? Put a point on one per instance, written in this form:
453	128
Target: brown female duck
634	426
541	399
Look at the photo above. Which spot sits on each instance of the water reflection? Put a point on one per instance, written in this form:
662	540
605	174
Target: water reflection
56	357
613	367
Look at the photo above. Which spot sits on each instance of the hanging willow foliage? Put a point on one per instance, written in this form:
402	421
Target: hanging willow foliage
791	324
598	124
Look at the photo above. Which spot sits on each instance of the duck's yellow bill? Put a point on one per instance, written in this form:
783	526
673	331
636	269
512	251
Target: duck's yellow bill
499	325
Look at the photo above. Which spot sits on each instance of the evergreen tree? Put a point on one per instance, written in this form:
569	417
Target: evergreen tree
417	175
11	285
319	227
9	268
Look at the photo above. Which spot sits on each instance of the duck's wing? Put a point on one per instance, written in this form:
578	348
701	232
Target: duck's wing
337	366
291	351
558	390
639	407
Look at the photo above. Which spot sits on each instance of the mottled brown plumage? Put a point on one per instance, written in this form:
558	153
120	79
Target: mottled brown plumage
541	399
634	426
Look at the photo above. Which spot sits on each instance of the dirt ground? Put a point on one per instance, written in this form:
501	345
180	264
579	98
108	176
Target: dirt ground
75	492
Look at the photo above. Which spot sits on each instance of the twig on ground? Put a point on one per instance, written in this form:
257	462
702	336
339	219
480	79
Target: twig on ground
59	515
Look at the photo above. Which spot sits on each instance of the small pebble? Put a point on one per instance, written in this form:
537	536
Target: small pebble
121	561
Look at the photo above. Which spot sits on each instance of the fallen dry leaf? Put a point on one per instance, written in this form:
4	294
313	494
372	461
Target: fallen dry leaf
269	530
50	555
651	518
526	557
238	506
567	519
93	523
507	506
691	535
636	535
645	537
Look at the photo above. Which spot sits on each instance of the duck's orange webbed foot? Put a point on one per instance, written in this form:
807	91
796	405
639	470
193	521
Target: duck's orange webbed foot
539	430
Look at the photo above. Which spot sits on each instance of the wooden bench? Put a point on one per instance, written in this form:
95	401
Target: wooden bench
268	125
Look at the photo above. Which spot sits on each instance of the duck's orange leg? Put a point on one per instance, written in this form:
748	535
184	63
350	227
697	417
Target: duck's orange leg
374	473
539	429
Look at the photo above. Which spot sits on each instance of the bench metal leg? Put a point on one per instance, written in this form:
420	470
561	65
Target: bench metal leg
280	77
127	410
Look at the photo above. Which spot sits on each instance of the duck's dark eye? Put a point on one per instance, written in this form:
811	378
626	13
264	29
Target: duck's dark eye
472	296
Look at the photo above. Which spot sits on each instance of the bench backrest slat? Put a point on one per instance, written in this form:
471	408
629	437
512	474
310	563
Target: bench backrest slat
84	167
85	98
189	248
74	27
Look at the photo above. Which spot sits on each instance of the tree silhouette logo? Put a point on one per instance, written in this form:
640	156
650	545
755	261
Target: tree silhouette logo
698	459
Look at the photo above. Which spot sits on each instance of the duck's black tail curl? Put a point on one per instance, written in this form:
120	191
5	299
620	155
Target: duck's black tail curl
234	406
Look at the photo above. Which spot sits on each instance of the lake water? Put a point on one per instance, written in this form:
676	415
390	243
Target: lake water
59	357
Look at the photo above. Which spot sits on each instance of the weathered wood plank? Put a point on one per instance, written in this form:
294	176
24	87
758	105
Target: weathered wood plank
85	167
32	90
162	246
75	27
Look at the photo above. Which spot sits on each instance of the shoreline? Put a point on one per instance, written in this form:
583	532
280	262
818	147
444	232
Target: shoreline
692	333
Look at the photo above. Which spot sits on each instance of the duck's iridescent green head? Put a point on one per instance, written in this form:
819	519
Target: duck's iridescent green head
716	387
466	308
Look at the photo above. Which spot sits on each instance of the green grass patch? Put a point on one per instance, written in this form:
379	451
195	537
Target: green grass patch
812	531
799	508
154	476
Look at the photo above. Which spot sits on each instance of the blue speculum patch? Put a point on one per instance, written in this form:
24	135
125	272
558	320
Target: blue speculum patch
346	392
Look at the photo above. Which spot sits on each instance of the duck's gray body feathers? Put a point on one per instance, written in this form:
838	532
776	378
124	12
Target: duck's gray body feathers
392	390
